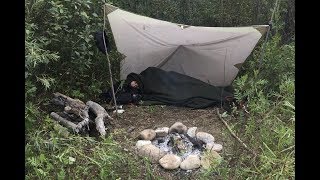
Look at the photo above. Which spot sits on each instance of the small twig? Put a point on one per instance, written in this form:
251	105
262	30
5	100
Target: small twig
234	135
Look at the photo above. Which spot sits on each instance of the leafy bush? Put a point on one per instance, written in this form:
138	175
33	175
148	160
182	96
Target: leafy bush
71	59
36	57
269	129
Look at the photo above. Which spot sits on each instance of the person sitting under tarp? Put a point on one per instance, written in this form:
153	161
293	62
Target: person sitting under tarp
125	92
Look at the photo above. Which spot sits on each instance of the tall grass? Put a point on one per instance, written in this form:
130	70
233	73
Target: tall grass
52	153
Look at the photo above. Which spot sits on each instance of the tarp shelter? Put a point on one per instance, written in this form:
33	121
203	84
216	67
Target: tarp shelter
210	54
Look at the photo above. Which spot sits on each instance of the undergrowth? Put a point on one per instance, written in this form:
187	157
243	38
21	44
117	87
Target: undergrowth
54	153
269	128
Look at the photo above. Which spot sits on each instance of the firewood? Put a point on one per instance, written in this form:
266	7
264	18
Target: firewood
75	109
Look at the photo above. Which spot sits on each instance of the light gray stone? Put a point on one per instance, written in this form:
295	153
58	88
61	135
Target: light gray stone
205	137
192	131
209	146
214	147
191	162
152	152
217	147
141	143
161	132
147	134
170	161
178	127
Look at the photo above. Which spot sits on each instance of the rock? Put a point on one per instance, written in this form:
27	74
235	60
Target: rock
147	134
192	132
152	152
205	137
214	147
191	162
210	159
178	127
170	161
209	146
161	132
141	143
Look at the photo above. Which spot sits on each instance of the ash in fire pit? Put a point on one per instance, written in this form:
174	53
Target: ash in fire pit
179	146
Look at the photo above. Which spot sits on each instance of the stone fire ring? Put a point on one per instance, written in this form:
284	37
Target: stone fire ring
182	153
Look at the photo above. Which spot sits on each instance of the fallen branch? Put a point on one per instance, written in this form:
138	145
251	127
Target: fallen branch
101	114
64	122
76	110
234	135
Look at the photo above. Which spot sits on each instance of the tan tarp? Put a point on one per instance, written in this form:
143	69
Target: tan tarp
211	54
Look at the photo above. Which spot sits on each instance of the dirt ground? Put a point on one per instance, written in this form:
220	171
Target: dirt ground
126	128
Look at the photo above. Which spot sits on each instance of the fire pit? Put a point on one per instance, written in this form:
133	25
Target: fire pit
179	146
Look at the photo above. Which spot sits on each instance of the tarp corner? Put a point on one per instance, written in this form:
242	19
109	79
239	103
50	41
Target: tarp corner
261	28
109	8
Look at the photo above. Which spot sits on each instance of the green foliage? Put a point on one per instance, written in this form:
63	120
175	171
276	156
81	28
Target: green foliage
278	61
31	115
60	42
36	58
226	13
269	129
50	155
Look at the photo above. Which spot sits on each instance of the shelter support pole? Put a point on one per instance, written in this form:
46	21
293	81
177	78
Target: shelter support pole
109	64
276	6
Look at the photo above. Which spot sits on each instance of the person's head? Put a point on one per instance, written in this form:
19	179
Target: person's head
134	84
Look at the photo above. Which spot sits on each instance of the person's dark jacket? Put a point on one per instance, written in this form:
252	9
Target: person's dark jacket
124	93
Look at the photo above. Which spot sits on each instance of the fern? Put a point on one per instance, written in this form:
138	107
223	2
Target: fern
46	82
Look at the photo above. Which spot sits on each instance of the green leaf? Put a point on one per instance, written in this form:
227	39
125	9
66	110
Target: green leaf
84	14
31	90
42	172
61	174
42	158
33	161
